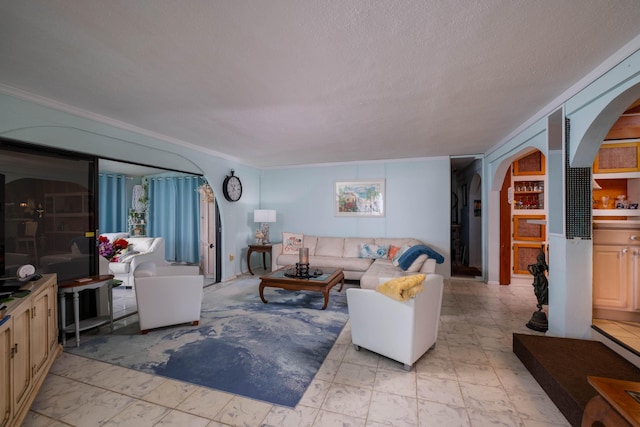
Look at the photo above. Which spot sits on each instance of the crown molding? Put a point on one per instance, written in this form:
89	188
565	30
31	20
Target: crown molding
66	108
365	162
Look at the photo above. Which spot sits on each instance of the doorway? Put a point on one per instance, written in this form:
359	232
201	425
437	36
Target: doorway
615	255
466	217
208	228
523	216
208	231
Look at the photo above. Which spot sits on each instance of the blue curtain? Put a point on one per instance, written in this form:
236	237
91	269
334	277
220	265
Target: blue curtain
112	208
174	213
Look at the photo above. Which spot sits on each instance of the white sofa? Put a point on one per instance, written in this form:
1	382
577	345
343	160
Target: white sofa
168	294
141	249
344	252
402	331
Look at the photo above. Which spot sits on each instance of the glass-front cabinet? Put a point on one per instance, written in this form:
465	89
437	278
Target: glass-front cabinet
528	183
616	186
528	195
528	214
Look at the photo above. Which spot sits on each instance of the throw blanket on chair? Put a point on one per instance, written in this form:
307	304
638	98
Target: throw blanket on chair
402	288
410	255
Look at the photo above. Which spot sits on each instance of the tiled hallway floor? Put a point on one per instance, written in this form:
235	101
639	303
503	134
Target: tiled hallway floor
471	378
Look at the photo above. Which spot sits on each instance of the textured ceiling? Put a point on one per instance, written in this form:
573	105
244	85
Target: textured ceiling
276	83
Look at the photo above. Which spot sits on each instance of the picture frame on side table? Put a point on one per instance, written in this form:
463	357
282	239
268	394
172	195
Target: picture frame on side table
360	198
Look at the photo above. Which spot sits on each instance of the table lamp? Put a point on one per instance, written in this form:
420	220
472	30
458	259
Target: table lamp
264	216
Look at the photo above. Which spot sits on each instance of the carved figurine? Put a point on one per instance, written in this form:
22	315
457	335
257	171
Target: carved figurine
540	282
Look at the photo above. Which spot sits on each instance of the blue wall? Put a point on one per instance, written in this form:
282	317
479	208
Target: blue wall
417	201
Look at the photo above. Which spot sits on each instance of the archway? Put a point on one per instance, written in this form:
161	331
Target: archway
590	121
615	254
498	209
520	212
587	138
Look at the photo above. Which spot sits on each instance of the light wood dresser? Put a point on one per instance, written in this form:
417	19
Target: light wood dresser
28	348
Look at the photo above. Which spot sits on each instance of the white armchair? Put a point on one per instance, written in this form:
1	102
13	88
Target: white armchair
168	295
142	249
402	331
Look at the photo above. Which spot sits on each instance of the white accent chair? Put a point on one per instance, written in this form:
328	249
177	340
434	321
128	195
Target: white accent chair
168	294
141	249
402	331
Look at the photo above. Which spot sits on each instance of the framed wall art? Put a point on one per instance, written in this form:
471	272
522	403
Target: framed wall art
477	208
361	198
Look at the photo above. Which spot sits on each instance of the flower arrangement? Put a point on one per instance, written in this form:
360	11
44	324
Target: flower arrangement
111	250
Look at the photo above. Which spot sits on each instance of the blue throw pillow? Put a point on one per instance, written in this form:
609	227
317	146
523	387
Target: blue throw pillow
414	252
373	251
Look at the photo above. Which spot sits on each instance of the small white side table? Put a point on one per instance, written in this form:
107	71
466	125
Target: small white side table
74	287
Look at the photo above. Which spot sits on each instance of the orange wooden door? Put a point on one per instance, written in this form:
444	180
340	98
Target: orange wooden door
505	231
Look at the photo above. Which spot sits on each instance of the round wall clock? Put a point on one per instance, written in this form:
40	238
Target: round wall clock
232	187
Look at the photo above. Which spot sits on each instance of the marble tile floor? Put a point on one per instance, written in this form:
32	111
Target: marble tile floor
471	378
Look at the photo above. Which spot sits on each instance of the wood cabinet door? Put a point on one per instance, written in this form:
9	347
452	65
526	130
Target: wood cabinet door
6	407
52	316
531	164
39	331
525	231
21	353
624	157
634	278
525	254
610	276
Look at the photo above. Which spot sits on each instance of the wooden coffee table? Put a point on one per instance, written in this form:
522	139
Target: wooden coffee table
616	404
323	283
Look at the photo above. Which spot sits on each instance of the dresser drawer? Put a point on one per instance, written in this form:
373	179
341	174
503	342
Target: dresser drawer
616	237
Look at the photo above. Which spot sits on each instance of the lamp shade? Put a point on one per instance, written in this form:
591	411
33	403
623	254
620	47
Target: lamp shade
264	215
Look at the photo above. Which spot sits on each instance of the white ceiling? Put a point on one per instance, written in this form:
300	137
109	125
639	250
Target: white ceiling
285	82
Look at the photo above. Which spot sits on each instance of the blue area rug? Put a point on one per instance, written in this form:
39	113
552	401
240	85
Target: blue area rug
268	352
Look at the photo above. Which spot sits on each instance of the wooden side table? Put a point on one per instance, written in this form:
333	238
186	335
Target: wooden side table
74	287
264	249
